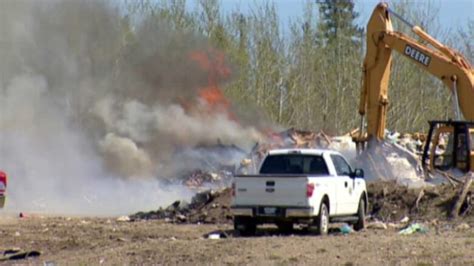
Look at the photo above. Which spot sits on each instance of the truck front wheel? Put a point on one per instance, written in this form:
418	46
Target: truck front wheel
245	226
322	221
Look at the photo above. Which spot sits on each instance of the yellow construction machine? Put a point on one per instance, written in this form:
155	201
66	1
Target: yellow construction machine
457	136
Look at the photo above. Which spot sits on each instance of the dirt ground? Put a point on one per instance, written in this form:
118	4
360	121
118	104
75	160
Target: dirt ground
88	241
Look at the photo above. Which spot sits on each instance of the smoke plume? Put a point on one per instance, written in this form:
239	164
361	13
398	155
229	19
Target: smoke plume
94	108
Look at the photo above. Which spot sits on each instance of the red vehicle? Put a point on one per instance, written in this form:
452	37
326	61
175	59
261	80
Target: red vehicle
3	187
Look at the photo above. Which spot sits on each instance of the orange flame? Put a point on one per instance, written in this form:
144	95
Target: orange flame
213	61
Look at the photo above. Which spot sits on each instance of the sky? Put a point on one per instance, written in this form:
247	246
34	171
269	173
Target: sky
453	14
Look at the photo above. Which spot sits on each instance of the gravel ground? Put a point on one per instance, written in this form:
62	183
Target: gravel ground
87	241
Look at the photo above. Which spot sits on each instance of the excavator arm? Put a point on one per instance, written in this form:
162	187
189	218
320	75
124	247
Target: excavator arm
444	63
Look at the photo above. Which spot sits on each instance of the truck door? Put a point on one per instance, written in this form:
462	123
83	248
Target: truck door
345	190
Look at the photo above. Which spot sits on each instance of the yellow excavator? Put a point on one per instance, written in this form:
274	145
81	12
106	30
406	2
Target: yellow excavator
456	137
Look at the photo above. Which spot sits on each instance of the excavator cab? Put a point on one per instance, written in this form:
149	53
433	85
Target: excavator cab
449	145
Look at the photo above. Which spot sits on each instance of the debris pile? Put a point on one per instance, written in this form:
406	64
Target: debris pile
412	142
287	139
205	207
215	169
390	202
198	179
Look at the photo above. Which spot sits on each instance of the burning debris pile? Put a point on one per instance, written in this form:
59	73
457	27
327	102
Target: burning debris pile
111	102
205	207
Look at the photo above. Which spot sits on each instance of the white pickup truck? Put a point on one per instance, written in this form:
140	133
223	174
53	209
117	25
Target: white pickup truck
304	186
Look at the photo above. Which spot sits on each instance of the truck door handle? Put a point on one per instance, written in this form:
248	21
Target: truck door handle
345	184
270	183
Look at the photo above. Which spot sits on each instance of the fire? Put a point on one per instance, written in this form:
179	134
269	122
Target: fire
213	62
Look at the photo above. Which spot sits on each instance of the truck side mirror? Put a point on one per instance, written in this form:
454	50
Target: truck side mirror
358	173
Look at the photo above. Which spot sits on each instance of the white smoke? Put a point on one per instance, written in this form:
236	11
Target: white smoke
90	120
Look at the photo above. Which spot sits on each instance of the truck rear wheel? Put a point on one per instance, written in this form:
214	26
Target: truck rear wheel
245	226
360	224
322	221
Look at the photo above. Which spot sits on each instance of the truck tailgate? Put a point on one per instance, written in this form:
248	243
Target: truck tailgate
261	190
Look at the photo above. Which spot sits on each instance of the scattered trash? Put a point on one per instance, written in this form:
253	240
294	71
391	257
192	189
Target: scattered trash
214	236
405	220
395	225
209	206
17	233
462	226
412	228
345	229
377	225
123	219
17	254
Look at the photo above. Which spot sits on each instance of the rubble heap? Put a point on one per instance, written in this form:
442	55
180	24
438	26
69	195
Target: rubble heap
390	202
205	207
400	158
200	178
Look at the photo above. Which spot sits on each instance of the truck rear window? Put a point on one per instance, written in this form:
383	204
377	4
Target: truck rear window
294	164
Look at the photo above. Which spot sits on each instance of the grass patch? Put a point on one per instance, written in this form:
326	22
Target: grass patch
424	264
321	250
274	257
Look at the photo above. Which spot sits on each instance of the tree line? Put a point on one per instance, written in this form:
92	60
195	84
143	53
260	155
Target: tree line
306	73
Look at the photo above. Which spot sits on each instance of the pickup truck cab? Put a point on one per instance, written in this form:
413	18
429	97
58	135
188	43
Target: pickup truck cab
3	187
304	186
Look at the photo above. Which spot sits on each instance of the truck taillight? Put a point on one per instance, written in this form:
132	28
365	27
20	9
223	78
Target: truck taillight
309	190
233	189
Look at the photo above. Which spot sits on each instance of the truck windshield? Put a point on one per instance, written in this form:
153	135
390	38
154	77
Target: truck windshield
294	164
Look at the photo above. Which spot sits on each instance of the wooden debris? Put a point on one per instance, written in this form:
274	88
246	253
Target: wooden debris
418	199
461	197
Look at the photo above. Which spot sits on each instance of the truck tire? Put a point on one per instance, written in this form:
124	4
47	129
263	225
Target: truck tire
245	226
360	224
322	221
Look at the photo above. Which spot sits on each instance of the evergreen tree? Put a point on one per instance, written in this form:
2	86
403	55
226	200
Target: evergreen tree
337	21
